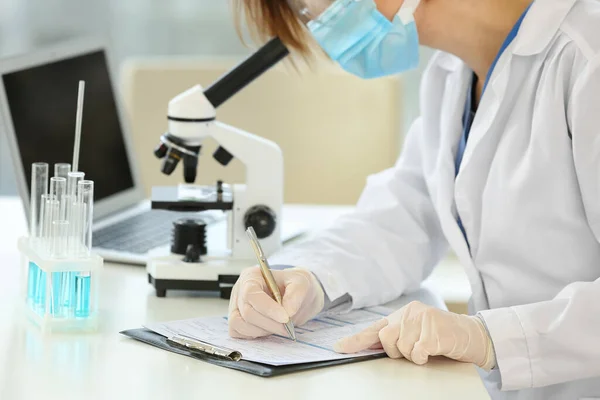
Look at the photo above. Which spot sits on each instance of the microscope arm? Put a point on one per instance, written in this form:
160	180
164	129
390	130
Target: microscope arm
262	158
259	201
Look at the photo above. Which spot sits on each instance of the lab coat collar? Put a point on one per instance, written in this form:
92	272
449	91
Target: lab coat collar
449	62
540	25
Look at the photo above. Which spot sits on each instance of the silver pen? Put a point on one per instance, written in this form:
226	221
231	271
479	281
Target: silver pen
268	277
205	348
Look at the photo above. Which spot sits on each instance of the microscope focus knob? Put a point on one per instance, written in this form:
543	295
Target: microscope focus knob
189	239
262	219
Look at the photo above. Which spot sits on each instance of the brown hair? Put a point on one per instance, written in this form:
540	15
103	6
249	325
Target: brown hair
269	18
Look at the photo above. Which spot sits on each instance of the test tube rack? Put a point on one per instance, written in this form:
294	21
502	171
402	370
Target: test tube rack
61	293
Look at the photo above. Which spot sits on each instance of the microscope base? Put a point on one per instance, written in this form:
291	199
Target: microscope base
213	274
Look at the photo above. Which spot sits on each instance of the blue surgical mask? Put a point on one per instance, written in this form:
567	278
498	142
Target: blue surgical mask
364	42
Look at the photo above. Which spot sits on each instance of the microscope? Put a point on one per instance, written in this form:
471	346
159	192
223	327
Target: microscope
189	264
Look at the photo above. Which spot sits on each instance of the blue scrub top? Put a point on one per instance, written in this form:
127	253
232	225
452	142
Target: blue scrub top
471	108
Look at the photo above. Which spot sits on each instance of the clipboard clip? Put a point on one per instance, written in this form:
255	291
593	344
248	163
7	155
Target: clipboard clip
198	346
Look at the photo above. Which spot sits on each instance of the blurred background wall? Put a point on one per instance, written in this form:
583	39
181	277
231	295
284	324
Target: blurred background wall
138	28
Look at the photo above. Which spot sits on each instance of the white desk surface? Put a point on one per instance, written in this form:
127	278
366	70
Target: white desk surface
106	365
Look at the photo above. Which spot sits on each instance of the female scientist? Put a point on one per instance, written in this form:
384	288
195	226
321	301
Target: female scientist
502	166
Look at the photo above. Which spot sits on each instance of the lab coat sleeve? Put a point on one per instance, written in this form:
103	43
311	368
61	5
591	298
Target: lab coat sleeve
558	341
387	246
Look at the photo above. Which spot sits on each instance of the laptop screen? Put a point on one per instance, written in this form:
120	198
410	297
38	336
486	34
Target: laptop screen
43	101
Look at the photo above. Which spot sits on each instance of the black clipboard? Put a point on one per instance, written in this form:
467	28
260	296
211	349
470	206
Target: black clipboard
263	370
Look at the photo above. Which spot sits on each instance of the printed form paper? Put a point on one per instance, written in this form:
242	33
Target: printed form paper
315	339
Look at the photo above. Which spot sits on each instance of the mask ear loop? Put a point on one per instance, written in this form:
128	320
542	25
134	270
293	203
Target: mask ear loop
329	13
305	13
407	11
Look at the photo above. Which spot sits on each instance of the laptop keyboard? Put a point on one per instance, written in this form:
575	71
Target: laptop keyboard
143	232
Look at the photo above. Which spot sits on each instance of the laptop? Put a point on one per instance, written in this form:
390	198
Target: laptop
38	100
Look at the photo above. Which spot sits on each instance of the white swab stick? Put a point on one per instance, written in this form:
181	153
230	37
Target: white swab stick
78	121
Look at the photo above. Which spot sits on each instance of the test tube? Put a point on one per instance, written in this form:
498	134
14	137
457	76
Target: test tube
76	219
58	279
73	179
39	187
67	292
73	214
85	196
60	234
66	206
70	295
83	283
58	188
49	212
61	170
43	225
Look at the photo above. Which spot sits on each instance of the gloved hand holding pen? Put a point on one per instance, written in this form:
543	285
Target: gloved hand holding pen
254	313
418	331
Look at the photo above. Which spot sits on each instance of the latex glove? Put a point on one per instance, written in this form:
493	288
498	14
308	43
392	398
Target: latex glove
418	331
254	313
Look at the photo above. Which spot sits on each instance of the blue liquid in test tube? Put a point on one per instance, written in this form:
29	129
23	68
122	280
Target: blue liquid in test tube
55	307
40	295
32	282
63	294
68	291
60	229
83	286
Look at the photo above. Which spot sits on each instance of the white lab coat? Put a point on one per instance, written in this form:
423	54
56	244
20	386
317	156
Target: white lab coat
527	194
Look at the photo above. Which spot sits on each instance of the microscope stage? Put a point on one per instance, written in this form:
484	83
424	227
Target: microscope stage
196	198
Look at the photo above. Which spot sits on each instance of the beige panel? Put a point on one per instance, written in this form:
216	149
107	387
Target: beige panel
334	129
458	308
